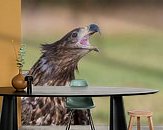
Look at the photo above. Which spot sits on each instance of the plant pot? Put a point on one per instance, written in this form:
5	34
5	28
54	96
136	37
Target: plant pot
18	82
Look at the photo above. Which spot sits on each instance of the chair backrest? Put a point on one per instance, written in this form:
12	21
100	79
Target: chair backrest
79	102
78	83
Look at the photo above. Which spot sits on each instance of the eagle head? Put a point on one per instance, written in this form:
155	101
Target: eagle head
73	44
79	38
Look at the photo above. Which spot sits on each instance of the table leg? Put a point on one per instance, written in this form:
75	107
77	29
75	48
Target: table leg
9	113
117	114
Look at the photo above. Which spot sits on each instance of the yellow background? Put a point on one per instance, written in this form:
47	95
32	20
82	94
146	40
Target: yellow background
10	29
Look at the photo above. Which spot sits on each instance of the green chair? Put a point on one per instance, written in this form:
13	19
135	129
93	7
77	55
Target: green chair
79	103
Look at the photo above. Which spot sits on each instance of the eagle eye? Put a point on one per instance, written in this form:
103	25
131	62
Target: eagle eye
74	35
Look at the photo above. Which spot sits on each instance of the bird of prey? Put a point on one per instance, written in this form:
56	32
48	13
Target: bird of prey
56	67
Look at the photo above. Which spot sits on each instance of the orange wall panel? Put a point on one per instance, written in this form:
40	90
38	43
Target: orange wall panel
10	29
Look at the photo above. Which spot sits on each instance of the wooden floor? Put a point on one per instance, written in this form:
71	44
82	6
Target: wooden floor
79	128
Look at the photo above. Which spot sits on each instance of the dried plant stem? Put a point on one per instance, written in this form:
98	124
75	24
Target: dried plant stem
14	49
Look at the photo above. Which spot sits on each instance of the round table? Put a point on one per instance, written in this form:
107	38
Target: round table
117	112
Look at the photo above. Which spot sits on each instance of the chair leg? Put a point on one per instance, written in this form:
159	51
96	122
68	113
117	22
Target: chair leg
90	120
69	122
131	123
150	123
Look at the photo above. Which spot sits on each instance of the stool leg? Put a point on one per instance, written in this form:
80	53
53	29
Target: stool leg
150	123
138	123
131	123
69	122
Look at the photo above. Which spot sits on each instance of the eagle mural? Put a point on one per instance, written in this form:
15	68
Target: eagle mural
56	67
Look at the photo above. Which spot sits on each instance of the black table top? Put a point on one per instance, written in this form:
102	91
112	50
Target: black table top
93	91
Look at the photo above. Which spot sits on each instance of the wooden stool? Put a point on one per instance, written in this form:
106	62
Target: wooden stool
138	114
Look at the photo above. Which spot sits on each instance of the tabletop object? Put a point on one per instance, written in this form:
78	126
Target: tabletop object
29	80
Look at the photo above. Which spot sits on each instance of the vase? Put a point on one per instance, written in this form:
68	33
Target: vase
18	82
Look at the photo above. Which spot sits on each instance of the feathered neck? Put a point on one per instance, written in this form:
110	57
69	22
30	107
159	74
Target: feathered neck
56	66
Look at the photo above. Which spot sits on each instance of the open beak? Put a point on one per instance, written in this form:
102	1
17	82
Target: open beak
84	36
